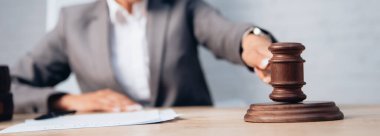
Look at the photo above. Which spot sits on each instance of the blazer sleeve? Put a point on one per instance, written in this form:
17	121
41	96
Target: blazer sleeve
36	74
216	33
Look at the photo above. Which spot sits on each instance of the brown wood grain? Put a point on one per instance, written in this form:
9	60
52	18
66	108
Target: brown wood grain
287	72
293	112
361	120
287	80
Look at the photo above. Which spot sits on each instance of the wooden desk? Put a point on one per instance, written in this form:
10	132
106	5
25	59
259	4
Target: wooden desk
195	121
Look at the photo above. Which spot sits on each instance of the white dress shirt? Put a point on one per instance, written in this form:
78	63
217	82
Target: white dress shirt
129	48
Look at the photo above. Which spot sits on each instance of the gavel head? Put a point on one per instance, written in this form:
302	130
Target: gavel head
6	97
5	80
287	72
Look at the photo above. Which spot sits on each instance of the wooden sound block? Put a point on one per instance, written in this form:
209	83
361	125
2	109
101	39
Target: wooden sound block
293	112
6	106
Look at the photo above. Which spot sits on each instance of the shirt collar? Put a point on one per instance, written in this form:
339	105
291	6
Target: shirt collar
119	15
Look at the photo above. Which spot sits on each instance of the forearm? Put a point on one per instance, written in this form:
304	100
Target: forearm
218	34
29	99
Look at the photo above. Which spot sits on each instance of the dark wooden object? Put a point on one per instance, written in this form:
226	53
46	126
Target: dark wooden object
287	81
6	98
287	73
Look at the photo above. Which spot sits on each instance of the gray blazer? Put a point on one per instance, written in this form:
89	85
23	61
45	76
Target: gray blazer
80	44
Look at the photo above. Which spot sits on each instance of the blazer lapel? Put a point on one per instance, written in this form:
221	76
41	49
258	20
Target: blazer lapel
158	16
99	32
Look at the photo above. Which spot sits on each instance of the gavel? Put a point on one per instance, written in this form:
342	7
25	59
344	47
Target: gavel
6	98
287	80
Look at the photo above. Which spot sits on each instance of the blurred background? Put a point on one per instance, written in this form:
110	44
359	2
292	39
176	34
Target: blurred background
341	38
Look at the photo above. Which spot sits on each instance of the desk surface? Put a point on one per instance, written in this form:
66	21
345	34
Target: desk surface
359	121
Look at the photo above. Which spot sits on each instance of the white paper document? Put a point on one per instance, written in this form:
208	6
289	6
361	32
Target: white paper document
94	120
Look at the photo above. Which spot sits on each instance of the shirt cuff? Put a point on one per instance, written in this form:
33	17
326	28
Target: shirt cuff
53	99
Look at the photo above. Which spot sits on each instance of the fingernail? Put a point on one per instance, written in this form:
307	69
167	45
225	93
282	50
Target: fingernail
264	63
135	107
267	79
116	109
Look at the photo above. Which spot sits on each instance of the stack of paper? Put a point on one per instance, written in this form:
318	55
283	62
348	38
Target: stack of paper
94	120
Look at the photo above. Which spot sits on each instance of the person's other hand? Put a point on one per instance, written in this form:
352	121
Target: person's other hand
256	55
99	101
